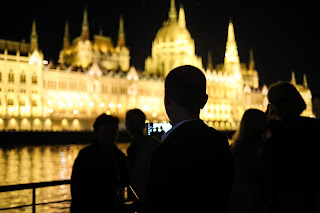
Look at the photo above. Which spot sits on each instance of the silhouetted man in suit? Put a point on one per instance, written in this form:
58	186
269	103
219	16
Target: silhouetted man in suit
192	169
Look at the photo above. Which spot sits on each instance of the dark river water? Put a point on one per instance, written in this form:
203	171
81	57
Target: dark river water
29	164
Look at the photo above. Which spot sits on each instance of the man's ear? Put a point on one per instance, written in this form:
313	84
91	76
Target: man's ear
204	100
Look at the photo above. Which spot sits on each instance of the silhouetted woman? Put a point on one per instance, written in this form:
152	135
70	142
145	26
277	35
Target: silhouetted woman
293	152
247	194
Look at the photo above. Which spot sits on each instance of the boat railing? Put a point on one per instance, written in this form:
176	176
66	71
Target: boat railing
33	186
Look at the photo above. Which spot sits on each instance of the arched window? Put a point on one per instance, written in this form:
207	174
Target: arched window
34	79
11	77
23	77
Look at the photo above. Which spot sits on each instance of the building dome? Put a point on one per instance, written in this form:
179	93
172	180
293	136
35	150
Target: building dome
173	45
171	32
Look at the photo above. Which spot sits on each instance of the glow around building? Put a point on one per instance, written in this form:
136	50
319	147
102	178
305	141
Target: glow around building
95	77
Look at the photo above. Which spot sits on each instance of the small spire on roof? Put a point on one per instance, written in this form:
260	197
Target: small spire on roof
293	78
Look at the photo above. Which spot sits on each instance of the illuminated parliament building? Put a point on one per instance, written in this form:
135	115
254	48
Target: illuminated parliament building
95	76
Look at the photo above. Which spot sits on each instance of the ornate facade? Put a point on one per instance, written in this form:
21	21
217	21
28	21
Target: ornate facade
82	53
94	77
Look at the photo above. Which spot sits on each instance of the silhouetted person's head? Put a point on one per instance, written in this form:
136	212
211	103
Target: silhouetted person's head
105	129
252	129
285	100
135	122
185	89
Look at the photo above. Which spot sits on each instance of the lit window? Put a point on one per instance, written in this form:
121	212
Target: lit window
34	103
11	77
34	79
23	78
22	102
10	102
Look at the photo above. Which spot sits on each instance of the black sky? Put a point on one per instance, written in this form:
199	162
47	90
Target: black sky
283	35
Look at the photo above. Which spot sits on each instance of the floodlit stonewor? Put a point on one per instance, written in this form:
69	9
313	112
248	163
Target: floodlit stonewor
95	77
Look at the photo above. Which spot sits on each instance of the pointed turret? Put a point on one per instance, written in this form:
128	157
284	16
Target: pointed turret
100	31
66	37
172	12
182	18
305	82
293	78
34	38
209	64
251	62
121	35
231	54
85	25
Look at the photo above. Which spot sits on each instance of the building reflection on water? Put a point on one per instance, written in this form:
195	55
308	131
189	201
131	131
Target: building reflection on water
37	164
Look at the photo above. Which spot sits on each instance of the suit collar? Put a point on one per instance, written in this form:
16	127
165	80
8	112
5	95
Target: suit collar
176	126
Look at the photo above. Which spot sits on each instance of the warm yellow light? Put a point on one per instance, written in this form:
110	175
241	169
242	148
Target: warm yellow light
154	114
119	105
61	104
145	107
147	121
50	110
49	102
64	122
108	112
91	104
36	121
75	111
101	104
111	105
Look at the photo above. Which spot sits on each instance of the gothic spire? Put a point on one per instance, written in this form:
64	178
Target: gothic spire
66	38
172	12
182	18
209	64
231	54
293	78
305	82
121	35
251	62
85	25
34	38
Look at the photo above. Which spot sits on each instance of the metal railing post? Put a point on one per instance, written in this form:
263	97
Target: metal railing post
33	200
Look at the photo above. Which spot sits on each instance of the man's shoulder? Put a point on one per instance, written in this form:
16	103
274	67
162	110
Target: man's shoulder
200	130
151	143
152	140
87	149
196	133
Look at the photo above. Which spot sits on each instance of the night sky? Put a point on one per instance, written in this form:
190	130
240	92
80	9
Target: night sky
283	36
